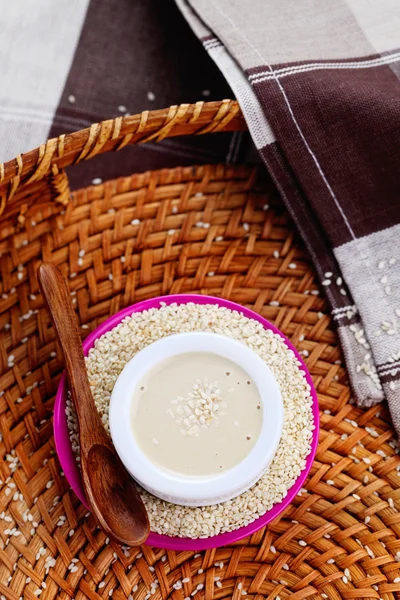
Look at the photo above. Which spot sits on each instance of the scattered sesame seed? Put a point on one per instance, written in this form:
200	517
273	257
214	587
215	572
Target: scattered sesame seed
151	96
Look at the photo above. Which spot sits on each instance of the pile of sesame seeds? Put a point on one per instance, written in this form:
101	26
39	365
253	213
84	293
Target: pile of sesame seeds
115	348
199	409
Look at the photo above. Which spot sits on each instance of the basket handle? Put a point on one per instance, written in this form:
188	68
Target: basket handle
49	160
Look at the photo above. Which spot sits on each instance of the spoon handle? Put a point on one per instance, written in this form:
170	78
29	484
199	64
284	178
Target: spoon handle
57	297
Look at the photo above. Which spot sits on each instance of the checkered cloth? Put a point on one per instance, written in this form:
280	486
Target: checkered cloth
318	82
66	64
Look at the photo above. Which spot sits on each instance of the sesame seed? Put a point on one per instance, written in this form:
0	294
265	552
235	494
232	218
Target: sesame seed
71	99
151	96
97	181
137	331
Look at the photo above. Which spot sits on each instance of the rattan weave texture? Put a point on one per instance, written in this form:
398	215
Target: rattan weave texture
210	229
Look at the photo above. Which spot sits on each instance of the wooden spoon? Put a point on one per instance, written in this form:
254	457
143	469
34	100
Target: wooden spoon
110	490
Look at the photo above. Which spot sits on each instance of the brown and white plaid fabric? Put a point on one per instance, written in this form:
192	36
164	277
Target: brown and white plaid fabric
318	82
69	63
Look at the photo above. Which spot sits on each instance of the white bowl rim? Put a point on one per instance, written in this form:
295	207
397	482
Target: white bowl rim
189	490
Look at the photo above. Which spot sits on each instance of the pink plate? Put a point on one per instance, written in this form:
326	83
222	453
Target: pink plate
69	464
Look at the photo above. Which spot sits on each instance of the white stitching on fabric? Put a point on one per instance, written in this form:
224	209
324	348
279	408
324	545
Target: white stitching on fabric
388	366
305	68
322	174
209	43
345	308
391	372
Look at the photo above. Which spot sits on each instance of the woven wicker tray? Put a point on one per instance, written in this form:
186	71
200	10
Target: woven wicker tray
340	537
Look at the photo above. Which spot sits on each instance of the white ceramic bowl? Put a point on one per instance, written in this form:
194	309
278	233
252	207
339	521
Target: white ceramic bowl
210	489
